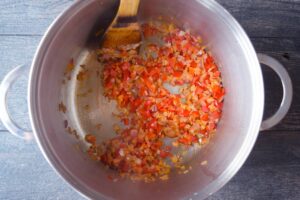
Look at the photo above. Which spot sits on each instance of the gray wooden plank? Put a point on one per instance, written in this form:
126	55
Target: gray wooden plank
15	51
271	18
275	44
30	17
25	174
272	170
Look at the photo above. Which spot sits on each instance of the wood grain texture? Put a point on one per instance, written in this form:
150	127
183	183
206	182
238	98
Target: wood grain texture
25	174
29	17
266	18
271	172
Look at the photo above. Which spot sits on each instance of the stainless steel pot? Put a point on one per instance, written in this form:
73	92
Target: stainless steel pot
236	133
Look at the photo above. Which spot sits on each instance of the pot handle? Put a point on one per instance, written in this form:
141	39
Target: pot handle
287	91
7	121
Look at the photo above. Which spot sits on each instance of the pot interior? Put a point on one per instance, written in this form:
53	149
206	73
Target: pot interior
226	151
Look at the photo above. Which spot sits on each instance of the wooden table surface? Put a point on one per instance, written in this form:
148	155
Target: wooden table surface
272	171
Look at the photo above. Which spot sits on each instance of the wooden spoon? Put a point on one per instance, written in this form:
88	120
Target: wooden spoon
125	28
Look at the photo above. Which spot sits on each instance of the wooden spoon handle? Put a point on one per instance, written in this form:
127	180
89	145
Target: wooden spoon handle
125	28
128	8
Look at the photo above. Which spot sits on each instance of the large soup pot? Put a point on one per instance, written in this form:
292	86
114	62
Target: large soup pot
236	133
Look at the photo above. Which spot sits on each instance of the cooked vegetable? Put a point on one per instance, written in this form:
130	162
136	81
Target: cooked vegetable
151	111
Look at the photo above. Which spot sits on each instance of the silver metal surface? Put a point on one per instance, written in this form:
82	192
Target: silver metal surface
287	91
225	153
227	150
7	82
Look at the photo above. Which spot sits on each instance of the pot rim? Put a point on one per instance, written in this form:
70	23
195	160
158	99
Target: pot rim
231	169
